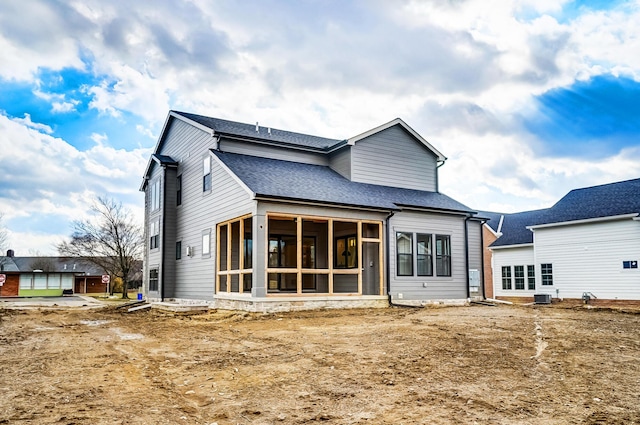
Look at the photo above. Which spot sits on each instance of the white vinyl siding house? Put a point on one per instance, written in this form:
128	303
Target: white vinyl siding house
585	244
509	258
589	257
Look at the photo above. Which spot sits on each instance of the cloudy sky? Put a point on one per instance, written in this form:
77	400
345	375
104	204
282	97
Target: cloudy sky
527	99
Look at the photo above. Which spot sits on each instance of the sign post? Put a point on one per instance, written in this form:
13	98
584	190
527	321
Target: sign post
106	279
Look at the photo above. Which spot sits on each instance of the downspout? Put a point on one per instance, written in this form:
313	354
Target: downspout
388	274
466	252
440	164
164	225
484	295
386	253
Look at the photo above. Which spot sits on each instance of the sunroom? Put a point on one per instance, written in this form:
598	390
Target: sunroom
299	256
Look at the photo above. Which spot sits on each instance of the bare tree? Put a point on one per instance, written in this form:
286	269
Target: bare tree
43	263
112	240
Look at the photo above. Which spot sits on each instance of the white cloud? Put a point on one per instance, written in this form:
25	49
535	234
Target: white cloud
458	72
63	107
48	179
26	121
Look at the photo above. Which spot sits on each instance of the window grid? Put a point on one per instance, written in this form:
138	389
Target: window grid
206	174
531	277
547	274
404	246
153	280
518	272
443	255
506	277
424	254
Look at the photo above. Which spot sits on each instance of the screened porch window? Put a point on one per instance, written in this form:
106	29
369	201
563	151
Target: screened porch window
235	256
323	256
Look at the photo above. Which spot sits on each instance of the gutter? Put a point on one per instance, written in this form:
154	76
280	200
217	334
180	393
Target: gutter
387	257
466	252
388	270
440	163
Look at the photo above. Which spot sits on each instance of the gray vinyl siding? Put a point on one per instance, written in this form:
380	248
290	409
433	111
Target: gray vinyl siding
272	152
475	247
200	211
394	158
168	232
340	162
437	287
153	257
474	230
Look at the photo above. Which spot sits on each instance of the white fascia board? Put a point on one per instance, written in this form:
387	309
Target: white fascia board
352	141
193	123
493	232
233	175
522	245
632	216
170	115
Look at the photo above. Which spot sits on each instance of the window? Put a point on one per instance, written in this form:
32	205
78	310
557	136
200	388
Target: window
547	274
153	280
518	272
346	253
425	256
155	195
154	233
206	174
531	276
506	277
179	190
235	256
404	246
443	255
206	243
179	250
629	264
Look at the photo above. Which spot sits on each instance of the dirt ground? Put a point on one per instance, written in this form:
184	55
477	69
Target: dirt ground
456	365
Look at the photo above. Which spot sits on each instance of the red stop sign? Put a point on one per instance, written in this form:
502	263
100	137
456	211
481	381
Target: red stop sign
3	278
105	278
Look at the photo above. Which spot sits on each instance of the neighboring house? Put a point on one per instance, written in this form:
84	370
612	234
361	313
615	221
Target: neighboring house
248	217
588	242
490	233
49	276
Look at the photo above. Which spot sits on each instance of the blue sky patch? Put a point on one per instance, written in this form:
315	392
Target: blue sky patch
588	119
60	99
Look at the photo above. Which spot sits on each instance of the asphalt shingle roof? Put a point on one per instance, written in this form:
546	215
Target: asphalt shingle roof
52	265
233	128
316	183
597	201
606	200
514	227
164	159
493	218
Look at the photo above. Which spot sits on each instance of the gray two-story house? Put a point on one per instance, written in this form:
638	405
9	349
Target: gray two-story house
254	218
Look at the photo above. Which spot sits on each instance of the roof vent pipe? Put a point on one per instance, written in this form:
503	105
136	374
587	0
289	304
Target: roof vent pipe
269	130
257	127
